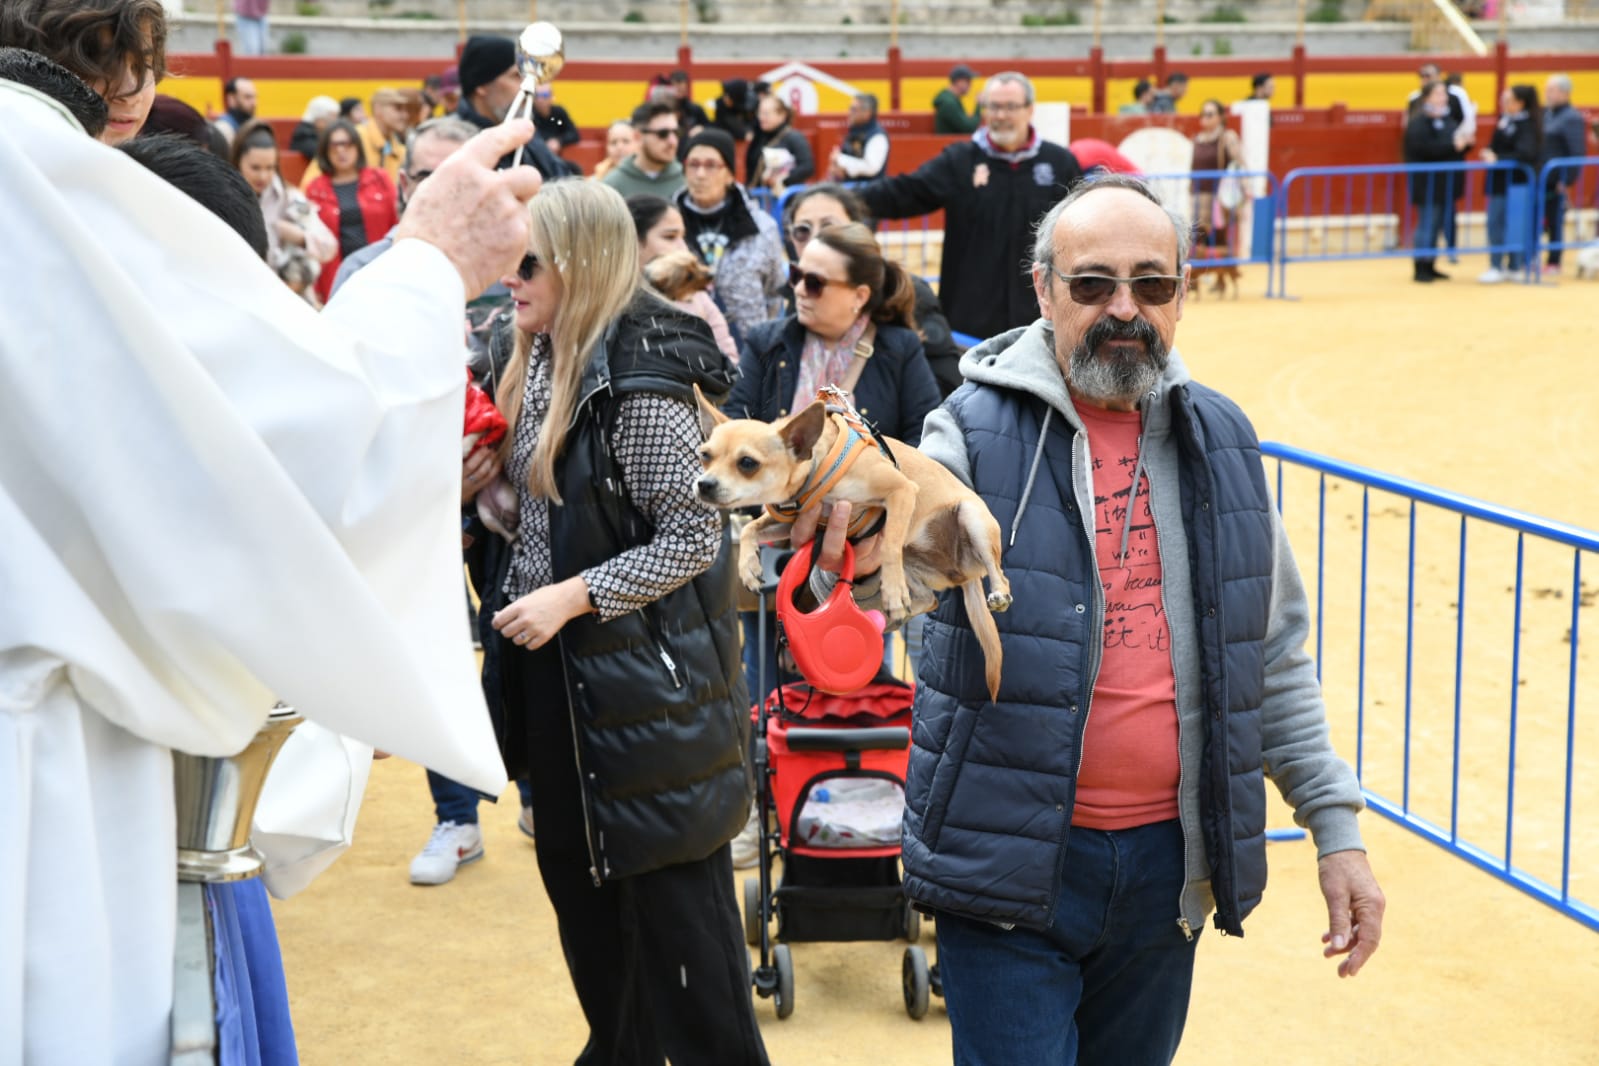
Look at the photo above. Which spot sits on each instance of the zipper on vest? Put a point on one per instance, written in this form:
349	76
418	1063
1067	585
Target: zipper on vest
671	667
1160	552
577	759
660	650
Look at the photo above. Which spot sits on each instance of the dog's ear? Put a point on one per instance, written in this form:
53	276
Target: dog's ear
803	430
710	417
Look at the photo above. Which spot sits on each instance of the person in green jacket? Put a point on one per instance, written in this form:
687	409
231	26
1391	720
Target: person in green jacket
949	114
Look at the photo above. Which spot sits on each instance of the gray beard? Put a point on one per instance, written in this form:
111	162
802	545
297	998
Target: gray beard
1112	377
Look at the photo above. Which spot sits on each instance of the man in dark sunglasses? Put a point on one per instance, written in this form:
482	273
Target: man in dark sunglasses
1158	627
653	170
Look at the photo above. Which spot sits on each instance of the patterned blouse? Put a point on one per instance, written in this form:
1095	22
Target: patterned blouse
656	444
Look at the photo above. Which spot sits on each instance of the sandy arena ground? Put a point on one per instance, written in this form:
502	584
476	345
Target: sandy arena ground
1485	391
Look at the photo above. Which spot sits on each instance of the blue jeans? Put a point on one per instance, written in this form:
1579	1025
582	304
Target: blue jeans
1429	218
455	802
252	35
1106	983
1502	220
1554	219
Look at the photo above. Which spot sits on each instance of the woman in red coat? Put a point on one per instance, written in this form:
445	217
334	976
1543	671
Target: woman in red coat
356	202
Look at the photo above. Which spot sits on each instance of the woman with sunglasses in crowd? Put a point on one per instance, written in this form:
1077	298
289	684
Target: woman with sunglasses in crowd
297	241
730	233
818	206
854	325
623	700
355	201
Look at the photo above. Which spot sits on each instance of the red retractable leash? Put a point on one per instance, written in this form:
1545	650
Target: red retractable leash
838	646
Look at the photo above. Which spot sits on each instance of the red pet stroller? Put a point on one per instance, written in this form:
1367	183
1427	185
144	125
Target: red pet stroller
832	771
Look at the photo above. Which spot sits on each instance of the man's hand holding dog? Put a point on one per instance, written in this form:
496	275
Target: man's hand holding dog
533	620
868	552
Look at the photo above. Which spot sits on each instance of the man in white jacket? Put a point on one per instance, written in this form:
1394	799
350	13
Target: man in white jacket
210	498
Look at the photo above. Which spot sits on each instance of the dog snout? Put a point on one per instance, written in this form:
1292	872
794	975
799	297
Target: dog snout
707	487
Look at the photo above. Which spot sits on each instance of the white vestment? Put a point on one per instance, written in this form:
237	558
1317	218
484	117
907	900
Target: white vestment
210	498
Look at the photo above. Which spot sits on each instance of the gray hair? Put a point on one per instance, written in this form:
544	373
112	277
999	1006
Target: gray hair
1010	77
320	107
869	99
447	127
1044	235
1561	82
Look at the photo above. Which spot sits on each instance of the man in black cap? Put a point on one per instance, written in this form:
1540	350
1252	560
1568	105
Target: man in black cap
489	84
949	114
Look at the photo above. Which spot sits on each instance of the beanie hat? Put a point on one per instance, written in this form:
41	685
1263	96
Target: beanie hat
483	59
711	137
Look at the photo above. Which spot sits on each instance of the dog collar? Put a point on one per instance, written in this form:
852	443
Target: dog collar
827	472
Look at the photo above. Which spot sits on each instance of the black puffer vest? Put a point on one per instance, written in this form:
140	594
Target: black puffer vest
659	706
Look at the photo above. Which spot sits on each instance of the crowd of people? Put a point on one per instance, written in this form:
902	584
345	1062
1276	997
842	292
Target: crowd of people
1070	865
1441	128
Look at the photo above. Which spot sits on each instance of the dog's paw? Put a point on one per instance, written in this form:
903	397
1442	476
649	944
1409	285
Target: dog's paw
749	571
998	602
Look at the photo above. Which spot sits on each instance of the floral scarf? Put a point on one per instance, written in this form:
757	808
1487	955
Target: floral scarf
825	364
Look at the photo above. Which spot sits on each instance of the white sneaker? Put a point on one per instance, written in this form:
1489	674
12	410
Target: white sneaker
1490	277
747	845
525	822
450	846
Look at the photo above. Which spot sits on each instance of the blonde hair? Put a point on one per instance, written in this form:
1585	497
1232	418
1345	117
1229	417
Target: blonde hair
583	231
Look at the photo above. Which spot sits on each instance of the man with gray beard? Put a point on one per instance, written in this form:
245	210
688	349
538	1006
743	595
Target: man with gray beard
1072	836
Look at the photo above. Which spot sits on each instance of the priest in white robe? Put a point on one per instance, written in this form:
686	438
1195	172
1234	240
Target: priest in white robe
211	498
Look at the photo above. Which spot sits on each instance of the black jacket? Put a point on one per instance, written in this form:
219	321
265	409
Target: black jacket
989	215
534	153
303	140
1516	139
1431	140
894	394
557	124
794	141
657	696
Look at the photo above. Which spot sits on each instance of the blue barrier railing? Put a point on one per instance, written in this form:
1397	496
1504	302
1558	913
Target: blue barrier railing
1366	212
1461	728
1559	211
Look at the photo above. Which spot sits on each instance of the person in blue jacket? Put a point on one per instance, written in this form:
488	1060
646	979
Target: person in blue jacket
1072	836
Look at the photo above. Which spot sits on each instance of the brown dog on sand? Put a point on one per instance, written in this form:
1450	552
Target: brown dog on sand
937	533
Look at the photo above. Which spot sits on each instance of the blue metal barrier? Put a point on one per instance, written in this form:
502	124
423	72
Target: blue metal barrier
1377	199
1560	213
1472	726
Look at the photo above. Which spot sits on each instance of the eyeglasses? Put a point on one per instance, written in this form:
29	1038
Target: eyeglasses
420	176
812	282
528	267
1005	108
802	232
1092	290
340	144
666	134
705	164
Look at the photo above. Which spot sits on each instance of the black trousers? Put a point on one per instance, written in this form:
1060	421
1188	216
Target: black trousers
657	960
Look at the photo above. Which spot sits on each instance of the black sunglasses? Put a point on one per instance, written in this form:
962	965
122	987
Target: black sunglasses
813	283
662	134
528	267
1149	290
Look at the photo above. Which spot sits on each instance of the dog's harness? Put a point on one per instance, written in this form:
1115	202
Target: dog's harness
826	472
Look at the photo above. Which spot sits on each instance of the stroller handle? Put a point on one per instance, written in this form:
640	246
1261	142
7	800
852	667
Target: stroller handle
880	738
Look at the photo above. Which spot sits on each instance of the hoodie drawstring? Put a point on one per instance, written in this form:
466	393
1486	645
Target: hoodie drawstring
1032	474
1132	499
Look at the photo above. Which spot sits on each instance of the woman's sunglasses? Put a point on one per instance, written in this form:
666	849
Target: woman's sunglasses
528	267
811	282
1149	290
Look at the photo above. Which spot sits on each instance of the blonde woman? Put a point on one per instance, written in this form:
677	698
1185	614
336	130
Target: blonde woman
622	695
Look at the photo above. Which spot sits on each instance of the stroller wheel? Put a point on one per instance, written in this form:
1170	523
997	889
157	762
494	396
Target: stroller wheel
916	983
913	923
753	919
783	998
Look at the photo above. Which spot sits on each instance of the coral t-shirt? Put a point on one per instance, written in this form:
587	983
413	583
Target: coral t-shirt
1130	764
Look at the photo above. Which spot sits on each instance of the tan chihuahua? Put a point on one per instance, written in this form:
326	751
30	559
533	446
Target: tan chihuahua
937	533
